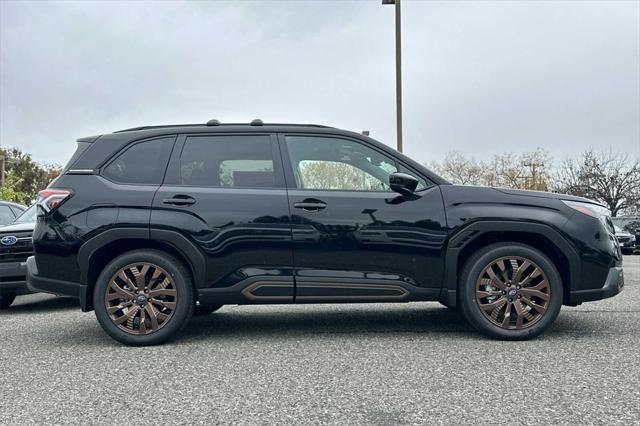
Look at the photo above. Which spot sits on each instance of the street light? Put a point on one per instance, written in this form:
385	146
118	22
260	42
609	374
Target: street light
398	73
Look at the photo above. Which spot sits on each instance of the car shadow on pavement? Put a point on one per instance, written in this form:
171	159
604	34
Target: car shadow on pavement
26	305
291	322
232	322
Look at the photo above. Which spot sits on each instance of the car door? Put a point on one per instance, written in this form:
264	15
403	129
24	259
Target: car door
355	239
226	194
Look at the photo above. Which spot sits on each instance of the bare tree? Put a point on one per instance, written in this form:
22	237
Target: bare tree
461	170
609	177
530	170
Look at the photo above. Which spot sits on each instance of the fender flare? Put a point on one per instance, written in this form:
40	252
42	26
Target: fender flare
473	231
179	242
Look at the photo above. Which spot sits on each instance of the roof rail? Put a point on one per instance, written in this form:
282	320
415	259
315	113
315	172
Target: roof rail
212	123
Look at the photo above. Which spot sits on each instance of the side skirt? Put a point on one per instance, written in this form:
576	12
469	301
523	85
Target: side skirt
267	290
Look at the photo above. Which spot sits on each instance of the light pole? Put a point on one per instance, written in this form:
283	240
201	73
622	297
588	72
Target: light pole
398	72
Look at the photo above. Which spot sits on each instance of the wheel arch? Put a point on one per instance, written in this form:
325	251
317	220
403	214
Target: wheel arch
96	253
540	236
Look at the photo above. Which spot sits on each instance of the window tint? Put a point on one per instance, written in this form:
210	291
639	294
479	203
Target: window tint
142	163
338	164
228	161
6	215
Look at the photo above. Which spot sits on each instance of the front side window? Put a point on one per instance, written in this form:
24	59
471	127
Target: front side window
142	163
228	161
330	163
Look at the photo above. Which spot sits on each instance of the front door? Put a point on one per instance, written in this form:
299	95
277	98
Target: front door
226	193
355	239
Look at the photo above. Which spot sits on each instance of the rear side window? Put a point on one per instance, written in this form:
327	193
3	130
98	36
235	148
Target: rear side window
141	163
228	161
80	149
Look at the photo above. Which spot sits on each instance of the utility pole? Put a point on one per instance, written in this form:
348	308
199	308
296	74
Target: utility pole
398	71
533	165
1	170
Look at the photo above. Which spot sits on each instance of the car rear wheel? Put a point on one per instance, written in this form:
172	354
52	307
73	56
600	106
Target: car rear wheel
510	291
6	299
144	297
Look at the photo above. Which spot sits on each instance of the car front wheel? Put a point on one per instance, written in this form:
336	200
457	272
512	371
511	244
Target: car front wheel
144	297
510	291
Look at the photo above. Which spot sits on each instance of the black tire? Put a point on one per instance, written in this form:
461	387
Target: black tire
6	299
206	309
471	277
627	252
184	299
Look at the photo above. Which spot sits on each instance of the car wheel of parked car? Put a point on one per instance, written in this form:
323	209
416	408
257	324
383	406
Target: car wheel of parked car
510	291
6	299
143	297
206	309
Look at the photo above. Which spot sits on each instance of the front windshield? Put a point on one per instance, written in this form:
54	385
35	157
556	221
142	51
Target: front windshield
29	215
617	228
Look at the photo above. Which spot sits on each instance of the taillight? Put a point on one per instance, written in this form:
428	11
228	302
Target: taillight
50	199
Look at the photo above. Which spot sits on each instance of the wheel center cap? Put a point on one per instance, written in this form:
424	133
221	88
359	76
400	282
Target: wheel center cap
141	299
512	292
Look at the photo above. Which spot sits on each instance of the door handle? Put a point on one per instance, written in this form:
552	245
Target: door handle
310	205
180	200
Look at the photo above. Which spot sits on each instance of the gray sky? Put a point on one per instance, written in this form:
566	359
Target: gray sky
480	77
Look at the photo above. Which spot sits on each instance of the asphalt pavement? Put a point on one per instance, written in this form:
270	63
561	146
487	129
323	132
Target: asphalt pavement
348	364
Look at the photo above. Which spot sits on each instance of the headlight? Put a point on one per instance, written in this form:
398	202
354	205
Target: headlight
632	238
593	210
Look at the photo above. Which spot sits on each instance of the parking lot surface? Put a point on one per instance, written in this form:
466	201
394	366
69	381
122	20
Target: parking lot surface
347	364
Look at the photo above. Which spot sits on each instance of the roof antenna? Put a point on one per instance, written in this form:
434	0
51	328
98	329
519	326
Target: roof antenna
213	122
257	122
365	132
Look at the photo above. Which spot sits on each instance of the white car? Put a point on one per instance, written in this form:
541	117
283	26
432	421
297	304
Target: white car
626	240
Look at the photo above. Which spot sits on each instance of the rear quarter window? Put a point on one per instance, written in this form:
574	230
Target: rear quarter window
142	163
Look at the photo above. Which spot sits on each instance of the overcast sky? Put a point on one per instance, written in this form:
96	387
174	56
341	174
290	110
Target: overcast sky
480	77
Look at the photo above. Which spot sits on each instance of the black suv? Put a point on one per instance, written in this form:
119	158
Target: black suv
147	225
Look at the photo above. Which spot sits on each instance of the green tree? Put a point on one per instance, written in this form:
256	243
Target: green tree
29	177
9	191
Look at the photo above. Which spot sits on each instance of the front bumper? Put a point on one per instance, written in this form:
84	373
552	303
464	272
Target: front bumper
612	286
37	283
13	277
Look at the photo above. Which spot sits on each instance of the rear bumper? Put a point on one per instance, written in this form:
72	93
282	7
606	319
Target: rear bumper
612	286
13	277
37	283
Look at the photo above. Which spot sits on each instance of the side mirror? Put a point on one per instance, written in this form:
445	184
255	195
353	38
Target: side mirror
403	183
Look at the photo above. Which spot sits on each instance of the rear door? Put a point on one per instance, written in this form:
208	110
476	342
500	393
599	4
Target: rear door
226	193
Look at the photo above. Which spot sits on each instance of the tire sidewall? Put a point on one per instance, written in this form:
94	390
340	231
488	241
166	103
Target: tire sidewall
184	305
474	268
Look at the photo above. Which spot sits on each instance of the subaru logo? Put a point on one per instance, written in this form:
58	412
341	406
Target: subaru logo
9	240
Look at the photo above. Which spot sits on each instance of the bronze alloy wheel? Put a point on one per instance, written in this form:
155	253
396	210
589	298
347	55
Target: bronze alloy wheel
513	292
141	298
